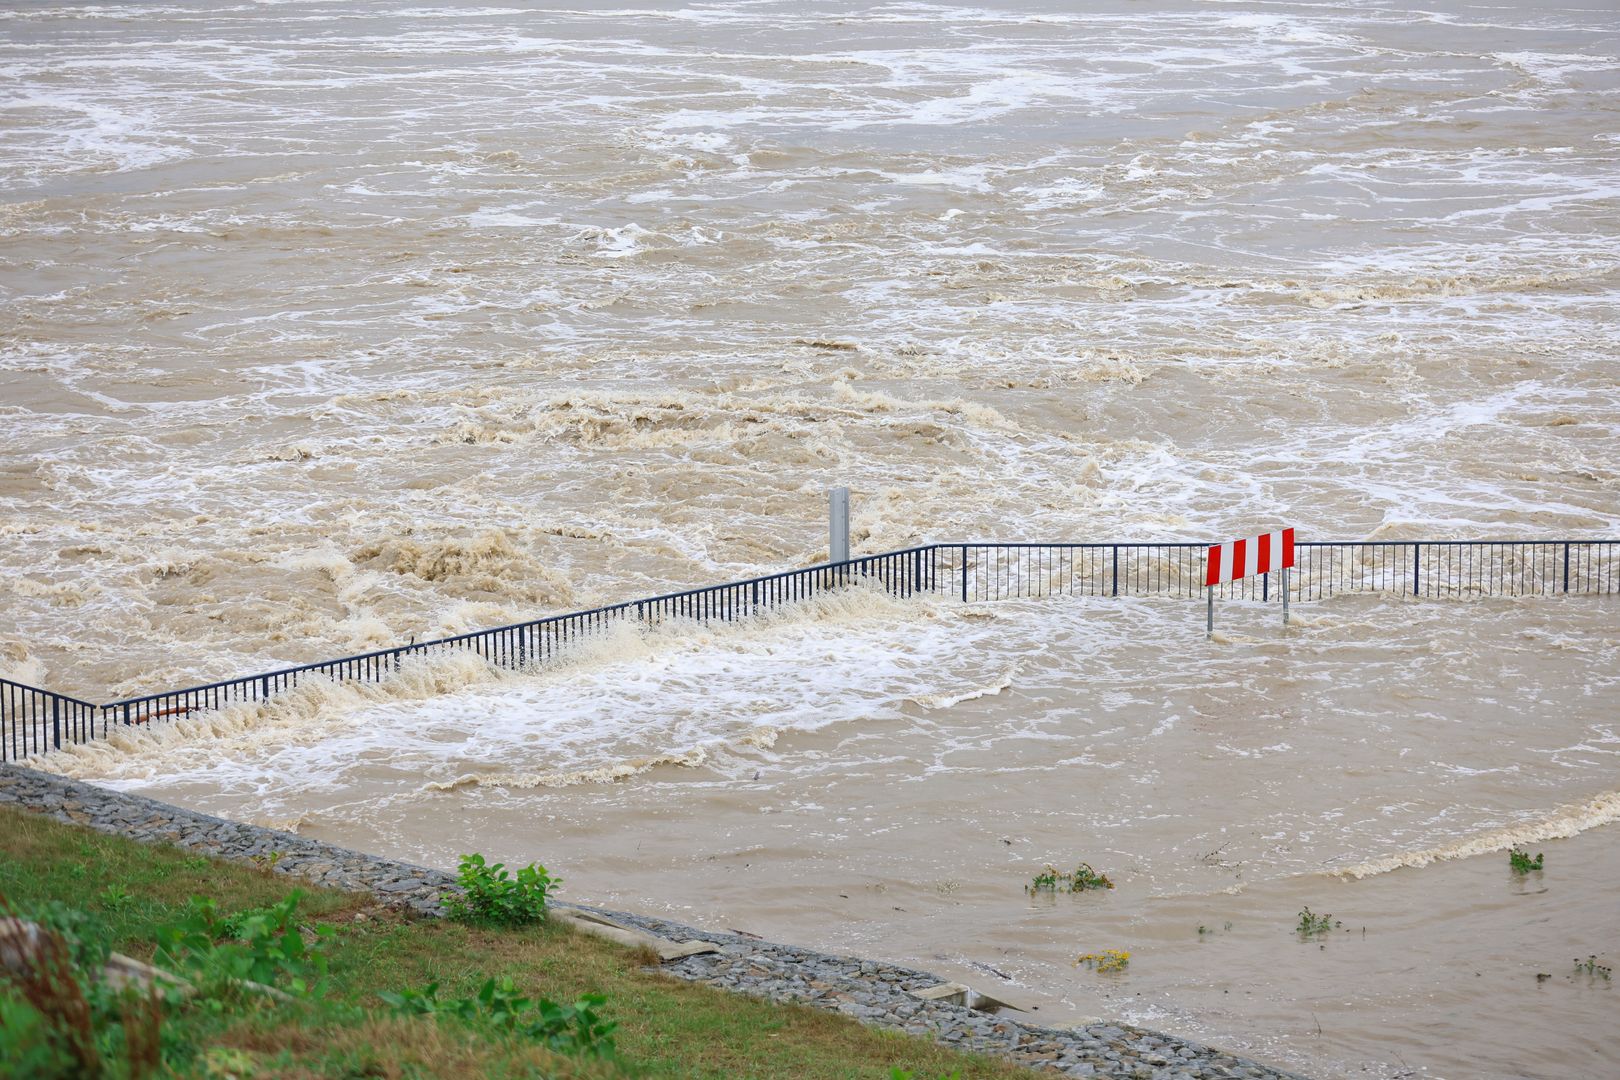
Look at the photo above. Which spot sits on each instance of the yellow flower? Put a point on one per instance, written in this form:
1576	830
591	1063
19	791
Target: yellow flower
1107	960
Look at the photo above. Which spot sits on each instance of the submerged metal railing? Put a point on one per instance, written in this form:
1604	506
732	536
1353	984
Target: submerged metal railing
33	720
1421	568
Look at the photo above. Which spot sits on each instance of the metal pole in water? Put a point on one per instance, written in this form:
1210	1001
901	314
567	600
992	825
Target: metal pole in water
1209	615
838	525
1285	596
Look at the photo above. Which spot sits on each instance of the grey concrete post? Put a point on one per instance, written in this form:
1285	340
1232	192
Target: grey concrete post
1285	596
838	525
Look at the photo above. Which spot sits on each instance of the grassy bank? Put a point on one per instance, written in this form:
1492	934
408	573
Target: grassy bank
666	1028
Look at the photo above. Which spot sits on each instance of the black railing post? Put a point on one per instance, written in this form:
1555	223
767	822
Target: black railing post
964	573
1265	587
1566	566
1415	565
1116	569
56	722
126	716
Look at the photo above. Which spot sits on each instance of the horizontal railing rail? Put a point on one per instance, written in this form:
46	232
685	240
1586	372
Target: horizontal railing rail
34	720
1424	568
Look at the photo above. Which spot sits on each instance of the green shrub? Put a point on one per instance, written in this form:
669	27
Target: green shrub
567	1029
236	925
85	937
31	1044
60	1021
263	946
115	897
493	898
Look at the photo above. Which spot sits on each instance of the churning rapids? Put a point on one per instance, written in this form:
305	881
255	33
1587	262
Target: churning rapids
329	324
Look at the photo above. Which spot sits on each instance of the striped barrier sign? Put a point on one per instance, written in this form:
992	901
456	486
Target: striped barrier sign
1245	558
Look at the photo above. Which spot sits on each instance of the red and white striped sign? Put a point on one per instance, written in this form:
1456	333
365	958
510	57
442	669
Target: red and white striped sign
1256	555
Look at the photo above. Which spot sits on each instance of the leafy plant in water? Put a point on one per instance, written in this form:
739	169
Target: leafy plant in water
1084	877
569	1029
1520	862
1105	961
1314	925
1081	879
492	897
1593	970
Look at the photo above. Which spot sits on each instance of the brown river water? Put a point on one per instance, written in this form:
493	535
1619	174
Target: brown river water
324	325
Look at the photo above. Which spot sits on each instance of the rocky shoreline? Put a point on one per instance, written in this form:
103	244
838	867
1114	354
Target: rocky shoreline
882	995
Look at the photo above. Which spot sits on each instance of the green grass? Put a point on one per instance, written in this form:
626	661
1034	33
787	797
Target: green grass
667	1028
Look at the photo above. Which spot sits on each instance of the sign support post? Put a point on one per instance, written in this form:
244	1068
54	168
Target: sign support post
838	525
1249	557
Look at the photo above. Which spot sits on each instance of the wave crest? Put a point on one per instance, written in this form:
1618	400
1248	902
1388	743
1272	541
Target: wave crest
1564	822
600	774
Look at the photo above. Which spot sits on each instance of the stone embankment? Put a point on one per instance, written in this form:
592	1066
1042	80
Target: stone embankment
882	995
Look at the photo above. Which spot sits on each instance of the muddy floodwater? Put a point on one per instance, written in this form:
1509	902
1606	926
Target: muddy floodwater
325	325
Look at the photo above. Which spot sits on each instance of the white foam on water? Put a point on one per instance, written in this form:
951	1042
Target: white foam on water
498	312
613	706
508	218
946	700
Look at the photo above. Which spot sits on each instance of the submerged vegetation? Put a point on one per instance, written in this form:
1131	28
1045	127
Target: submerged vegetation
1593	970
1312	925
1106	961
255	980
1081	879
1520	862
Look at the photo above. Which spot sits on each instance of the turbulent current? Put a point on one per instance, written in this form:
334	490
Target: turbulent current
325	325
